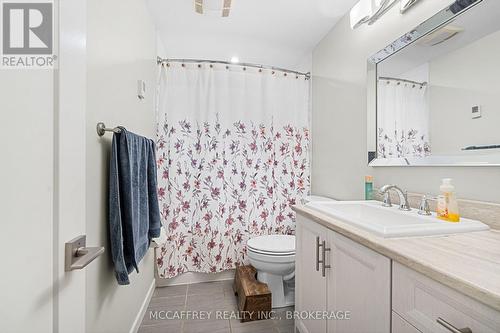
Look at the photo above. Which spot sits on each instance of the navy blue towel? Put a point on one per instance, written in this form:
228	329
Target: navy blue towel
134	215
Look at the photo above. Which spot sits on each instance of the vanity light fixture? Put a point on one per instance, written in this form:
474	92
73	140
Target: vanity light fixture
235	60
213	6
380	7
407	4
369	11
360	13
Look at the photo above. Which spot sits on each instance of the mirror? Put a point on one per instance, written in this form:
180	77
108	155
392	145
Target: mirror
434	94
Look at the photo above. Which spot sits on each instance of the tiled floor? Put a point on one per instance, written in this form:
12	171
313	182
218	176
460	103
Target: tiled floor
203	298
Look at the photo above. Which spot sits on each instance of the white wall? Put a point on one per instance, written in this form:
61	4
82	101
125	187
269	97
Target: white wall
26	194
339	115
121	49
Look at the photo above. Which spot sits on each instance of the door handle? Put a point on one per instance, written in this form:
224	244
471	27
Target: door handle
318	261
78	255
324	249
452	328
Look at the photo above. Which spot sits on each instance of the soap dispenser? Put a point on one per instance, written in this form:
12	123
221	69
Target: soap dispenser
447	208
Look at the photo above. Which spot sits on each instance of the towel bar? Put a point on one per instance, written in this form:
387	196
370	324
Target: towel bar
102	129
77	255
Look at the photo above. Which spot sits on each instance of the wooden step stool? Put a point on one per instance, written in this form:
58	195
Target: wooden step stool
254	297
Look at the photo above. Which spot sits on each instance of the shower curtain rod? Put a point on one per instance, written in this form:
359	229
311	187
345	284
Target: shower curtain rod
384	78
161	61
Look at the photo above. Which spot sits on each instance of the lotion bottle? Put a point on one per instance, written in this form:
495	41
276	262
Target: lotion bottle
447	208
368	187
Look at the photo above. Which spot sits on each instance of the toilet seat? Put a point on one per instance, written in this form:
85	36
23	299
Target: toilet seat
267	253
272	245
271	258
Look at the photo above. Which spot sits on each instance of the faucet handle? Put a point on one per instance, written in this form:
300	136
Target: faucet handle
424	208
404	204
387	199
407	203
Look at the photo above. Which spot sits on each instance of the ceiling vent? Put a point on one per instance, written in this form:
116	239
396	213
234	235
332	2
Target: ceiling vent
213	7
440	36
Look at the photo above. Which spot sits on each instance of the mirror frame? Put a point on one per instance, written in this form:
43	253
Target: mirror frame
439	20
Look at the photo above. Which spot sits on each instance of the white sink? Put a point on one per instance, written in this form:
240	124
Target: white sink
391	222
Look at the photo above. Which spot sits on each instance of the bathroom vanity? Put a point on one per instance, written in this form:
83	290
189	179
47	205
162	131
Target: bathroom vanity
446	283
394	270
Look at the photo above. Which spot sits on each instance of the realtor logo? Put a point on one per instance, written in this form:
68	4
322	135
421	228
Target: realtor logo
27	34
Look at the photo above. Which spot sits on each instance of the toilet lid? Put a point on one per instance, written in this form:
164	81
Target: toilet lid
273	244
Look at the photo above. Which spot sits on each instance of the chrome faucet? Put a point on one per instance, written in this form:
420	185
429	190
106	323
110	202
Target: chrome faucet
424	208
403	197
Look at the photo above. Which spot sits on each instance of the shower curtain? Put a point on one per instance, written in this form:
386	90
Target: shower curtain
402	120
233	156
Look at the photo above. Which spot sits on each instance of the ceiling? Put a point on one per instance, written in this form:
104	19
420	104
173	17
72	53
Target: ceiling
278	31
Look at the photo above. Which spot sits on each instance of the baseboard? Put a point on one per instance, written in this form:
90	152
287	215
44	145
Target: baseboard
143	309
194	277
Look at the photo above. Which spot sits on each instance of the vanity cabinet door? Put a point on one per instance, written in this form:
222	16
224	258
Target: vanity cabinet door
360	283
310	285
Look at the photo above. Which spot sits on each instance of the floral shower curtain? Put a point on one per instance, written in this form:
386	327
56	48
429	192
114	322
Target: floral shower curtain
233	156
402	120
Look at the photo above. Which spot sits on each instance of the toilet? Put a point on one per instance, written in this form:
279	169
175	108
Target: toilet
273	256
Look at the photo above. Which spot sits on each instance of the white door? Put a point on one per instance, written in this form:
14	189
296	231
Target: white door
311	286
42	191
361	284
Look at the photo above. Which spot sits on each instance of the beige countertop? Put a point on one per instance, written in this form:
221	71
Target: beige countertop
468	263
